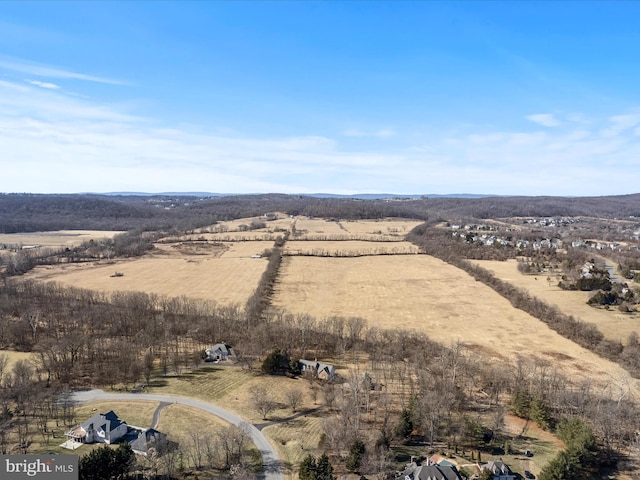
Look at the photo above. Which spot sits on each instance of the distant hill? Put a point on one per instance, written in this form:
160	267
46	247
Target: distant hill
361	196
183	211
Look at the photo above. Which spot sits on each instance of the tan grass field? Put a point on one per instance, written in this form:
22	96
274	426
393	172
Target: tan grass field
177	421
388	226
231	278
345	248
254	235
614	324
134	413
296	439
14	357
428	295
314	226
283	221
59	238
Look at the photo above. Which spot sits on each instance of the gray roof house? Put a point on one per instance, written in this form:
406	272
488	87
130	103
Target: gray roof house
219	352
148	439
501	471
429	472
323	371
101	428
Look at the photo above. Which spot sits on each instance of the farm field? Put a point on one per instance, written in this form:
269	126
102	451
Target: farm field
346	248
614	324
388	226
281	222
230	278
393	228
425	294
249	236
314	226
59	238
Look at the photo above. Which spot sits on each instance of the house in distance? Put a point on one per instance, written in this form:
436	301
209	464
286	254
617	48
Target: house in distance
220	352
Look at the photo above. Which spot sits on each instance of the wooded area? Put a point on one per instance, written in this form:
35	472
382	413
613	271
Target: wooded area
413	389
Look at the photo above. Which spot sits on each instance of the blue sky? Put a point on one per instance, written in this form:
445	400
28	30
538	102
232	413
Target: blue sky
512	98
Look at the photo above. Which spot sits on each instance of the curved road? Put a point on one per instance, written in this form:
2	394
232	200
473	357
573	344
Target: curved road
270	460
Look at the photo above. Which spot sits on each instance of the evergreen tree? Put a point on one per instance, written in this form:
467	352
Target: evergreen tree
521	404
540	413
355	455
277	362
325	469
405	427
579	456
308	468
106	463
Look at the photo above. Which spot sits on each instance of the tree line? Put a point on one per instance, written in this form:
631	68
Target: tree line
583	333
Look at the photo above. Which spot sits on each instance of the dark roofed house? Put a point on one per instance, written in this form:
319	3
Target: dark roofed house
220	352
101	428
148	439
429	472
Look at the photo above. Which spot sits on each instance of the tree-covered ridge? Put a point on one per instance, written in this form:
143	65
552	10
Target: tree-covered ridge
27	212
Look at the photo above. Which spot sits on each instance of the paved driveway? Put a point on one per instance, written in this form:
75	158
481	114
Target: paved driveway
270	460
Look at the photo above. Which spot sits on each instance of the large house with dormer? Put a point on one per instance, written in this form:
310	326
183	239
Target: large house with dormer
101	428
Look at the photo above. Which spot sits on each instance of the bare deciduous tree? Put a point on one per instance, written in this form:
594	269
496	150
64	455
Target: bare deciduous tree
261	402
294	397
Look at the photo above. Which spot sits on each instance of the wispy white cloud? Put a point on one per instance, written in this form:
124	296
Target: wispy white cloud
544	119
382	133
52	142
48	85
620	123
47	71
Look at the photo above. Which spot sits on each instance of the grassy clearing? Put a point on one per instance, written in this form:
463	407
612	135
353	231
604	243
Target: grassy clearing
387	226
15	356
612	323
209	383
230	387
252	236
225	280
423	293
178	420
134	413
59	238
528	436
318	226
345	248
296	439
